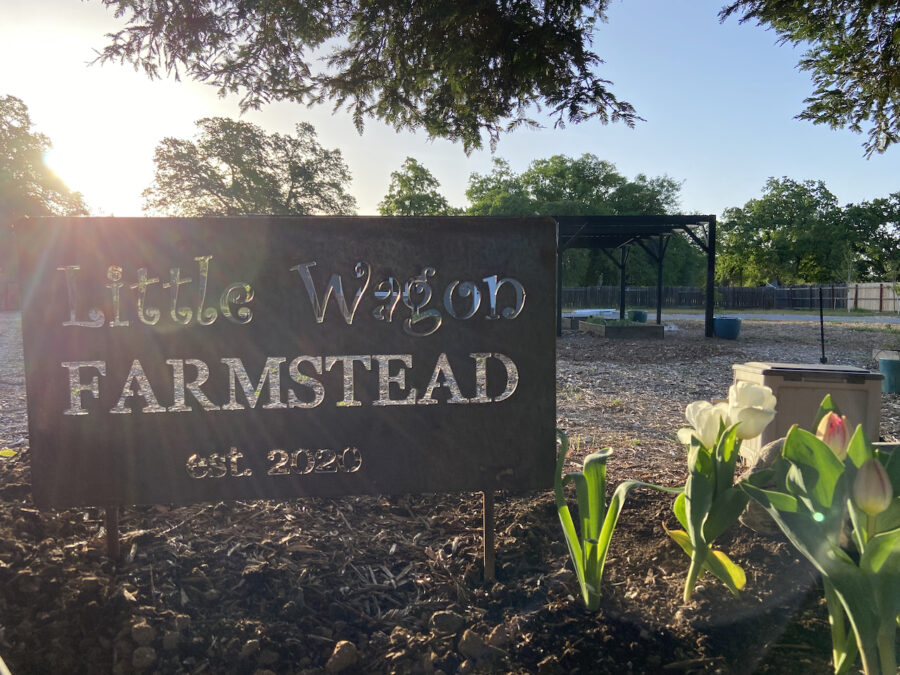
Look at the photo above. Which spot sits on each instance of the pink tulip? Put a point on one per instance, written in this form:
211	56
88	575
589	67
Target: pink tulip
834	431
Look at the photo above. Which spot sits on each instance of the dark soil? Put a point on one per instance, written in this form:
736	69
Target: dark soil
395	584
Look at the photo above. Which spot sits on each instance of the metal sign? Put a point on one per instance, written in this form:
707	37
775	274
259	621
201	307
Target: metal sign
185	360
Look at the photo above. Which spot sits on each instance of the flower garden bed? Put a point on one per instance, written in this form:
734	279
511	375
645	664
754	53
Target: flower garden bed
622	329
269	587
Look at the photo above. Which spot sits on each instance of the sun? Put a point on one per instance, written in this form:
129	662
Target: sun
58	164
107	184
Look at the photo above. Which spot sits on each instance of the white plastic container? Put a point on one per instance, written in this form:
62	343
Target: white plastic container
800	388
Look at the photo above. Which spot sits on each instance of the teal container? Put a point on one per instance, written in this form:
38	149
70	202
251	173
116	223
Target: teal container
637	315
890	368
726	327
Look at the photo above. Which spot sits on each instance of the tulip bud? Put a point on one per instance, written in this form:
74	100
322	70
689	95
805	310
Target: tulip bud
872	490
834	431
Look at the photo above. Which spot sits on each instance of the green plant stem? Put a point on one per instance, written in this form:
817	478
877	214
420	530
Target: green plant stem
871	526
694	571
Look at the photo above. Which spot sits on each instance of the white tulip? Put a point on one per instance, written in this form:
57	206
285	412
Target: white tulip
705	420
752	406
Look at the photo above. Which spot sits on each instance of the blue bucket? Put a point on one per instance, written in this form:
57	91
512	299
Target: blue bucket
726	327
890	368
637	315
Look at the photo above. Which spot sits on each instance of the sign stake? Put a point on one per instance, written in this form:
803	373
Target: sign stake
111	519
487	498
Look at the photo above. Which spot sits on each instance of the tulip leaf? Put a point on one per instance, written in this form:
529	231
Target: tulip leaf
761	478
700	460
726	508
892	467
558	480
731	574
698	494
880	563
859	449
844	649
883	547
820	468
803	530
725	447
726	458
595	486
681	538
889	519
771	498
828	405
583	497
575	552
679	507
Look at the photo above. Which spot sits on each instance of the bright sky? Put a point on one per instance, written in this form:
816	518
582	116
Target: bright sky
719	101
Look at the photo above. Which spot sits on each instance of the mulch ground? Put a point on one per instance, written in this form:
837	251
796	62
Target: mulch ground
395	584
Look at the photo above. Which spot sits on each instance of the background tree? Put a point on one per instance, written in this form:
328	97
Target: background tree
414	192
587	185
794	233
499	193
235	168
27	186
458	70
875	228
853	55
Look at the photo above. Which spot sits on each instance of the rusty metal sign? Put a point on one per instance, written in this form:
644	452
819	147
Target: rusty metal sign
186	360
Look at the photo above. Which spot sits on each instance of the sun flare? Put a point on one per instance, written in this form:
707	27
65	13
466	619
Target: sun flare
108	184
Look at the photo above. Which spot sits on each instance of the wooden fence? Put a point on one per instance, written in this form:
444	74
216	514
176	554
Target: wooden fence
878	297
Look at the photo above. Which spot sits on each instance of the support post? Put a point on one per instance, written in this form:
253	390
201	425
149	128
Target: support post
659	289
661	244
822	359
559	255
623	259
657	254
111	522
710	274
487	498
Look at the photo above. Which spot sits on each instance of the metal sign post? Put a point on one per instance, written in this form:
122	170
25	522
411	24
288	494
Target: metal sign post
487	500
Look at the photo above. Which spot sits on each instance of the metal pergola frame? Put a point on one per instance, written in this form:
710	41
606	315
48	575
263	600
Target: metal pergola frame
608	233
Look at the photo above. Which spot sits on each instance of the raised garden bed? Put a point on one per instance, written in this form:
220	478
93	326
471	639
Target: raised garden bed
623	330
